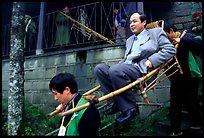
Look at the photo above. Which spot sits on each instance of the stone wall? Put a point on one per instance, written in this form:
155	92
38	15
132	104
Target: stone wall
180	14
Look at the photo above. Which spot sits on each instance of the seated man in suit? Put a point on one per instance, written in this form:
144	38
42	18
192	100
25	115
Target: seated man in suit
146	49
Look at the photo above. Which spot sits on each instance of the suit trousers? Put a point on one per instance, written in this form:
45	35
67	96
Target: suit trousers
115	77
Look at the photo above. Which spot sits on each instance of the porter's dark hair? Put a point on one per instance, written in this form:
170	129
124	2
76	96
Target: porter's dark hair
63	80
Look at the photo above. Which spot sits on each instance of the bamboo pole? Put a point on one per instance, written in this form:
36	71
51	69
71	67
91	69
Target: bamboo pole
114	93
183	33
92	90
88	29
54	113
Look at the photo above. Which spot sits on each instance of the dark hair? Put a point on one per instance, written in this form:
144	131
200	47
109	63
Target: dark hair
143	17
63	80
116	5
167	27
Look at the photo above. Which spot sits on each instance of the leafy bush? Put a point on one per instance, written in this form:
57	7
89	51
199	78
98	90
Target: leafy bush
136	126
36	122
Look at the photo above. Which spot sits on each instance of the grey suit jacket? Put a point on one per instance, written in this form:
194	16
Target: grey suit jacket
154	45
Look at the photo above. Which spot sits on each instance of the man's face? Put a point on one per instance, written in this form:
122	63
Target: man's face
66	10
171	34
115	11
136	26
196	18
62	98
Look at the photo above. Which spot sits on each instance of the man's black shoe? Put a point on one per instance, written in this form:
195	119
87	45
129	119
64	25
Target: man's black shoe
127	115
112	110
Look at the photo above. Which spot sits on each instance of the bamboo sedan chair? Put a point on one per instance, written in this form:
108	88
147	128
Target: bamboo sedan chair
171	64
141	83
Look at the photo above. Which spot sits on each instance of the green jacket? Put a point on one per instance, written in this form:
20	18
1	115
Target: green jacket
198	24
72	129
193	63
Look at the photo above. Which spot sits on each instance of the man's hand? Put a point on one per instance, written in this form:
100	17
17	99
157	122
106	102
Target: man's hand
176	40
194	28
148	64
60	108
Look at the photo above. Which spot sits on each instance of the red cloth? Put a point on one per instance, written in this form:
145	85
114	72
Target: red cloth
196	14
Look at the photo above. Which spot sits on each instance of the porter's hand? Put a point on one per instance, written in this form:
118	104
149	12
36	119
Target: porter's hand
60	108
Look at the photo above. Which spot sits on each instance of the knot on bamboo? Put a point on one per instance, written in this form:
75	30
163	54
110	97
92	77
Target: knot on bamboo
91	98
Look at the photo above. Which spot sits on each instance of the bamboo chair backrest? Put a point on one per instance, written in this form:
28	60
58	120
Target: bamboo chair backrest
155	24
160	23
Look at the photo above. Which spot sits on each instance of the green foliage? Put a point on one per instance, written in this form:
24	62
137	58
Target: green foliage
150	130
36	122
29	132
136	126
105	121
39	123
33	112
